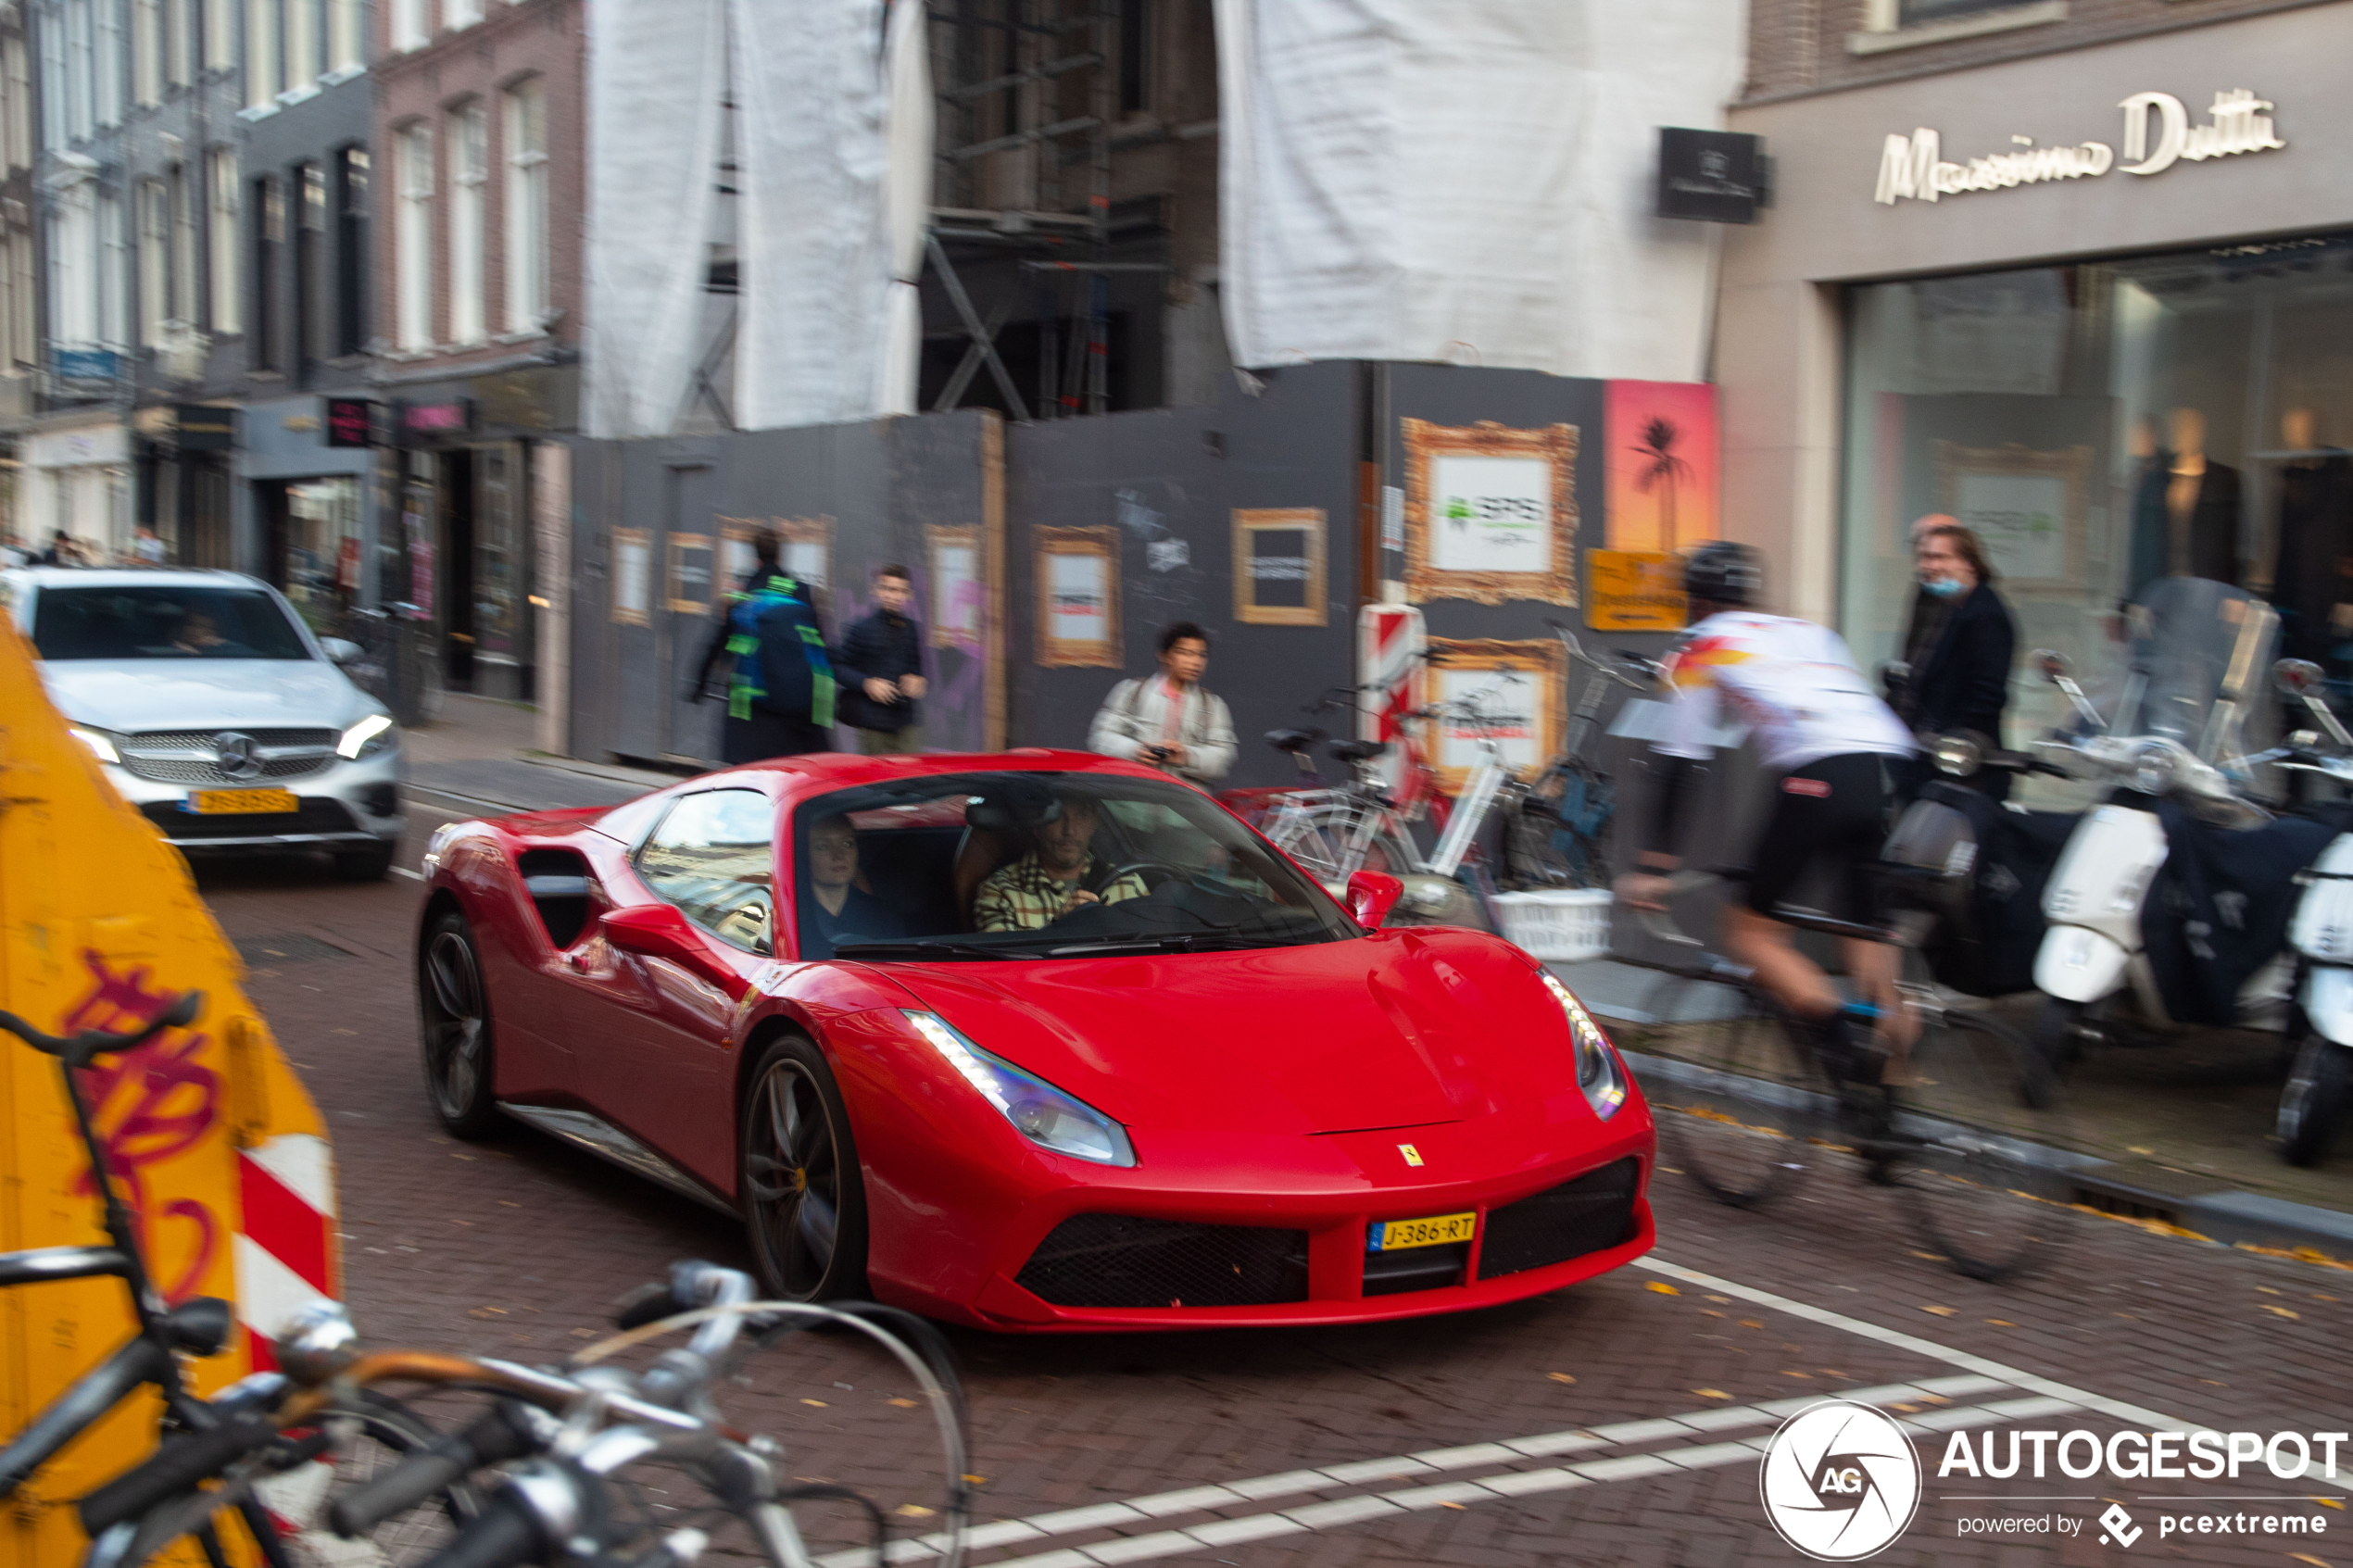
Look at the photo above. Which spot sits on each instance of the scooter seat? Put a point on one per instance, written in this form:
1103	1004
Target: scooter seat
1293	740
1356	750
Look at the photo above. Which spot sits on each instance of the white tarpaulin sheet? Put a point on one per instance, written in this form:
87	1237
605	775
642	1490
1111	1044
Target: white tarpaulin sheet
656	72
1466	180
833	134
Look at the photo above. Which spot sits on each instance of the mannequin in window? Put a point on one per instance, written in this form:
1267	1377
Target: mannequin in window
2310	575
2201	506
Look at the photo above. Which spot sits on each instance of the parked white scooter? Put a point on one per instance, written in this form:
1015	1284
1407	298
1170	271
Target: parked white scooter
2320	1077
2198	646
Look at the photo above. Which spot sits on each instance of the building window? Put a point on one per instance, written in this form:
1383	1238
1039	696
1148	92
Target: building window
79	120
227	289
23	304
53	84
268	240
107	95
412	239
468	144
411	23
1135	56
74	262
347	51
183	246
456	14
302	45
526	132
220	34
263	60
19	128
351	251
114	274
155	260
310	264
147	52
2101	426
178	42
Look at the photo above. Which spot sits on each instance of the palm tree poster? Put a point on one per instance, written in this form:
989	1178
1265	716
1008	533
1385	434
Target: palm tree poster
1662	465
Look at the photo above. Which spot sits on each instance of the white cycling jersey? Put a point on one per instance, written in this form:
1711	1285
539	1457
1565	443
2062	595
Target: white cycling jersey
1793	683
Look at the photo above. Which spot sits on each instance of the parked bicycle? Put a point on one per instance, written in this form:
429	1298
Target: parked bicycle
1966	1122
1559	832
559	1468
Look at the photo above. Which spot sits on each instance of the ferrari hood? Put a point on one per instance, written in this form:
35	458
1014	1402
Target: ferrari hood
1340	1036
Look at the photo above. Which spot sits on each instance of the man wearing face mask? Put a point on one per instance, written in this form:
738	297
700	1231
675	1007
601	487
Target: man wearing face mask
1960	678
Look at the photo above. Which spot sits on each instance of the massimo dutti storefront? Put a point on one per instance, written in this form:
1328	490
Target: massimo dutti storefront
2098	304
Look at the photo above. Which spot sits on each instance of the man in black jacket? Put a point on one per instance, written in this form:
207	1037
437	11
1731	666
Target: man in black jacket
881	669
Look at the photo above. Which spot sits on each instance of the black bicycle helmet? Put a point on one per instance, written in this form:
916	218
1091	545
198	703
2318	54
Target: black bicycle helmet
1723	572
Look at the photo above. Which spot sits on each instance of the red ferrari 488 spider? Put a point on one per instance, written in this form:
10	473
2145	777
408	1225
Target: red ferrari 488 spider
1034	1040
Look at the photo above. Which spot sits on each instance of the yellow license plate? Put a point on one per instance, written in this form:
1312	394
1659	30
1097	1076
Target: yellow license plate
241	802
1437	1231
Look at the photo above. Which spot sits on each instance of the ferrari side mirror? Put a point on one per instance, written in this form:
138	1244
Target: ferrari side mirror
1371	894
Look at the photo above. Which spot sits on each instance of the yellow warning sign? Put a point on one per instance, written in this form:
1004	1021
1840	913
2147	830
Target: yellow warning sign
1634	591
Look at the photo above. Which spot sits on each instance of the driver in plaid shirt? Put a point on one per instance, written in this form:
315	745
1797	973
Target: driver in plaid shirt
1051	880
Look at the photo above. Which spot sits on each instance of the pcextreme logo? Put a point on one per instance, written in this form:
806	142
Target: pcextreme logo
1840	1481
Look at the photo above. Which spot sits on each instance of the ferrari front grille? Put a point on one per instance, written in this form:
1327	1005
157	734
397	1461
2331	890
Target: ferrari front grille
1121	1260
1594	1211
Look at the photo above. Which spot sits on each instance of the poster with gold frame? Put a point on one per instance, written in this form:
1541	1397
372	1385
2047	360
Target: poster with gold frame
1279	566
691	567
2030	508
633	577
805	546
1519	683
1077	597
1491	512
959	587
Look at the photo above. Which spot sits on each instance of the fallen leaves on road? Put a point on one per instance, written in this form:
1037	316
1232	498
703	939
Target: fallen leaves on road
2001	1322
1721	1301
486	1311
819	1403
2268	1291
1455	1505
977	1480
1751	1323
584	1334
2336	1503
2283	1312
1560	1377
1711	1393
1709	1313
912	1510
2308	1557
1662	1288
902	1404
1808	1375
1940	1311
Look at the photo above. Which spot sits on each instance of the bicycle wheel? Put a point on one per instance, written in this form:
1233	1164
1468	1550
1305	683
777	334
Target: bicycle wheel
1743	1104
378	1432
1531	851
1981	1133
1299	831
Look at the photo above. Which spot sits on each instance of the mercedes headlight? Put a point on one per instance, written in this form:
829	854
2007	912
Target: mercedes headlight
101	744
1599	1072
1039	1111
365	738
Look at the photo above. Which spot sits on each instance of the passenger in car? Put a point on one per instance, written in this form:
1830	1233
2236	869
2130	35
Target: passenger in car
838	909
1054	878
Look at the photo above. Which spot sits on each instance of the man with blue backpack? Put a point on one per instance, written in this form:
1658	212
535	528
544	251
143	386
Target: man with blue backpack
780	694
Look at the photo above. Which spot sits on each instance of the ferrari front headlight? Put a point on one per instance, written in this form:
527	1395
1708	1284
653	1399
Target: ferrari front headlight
1039	1111
1599	1072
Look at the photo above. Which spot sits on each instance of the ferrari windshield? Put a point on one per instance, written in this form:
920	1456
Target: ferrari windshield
1034	865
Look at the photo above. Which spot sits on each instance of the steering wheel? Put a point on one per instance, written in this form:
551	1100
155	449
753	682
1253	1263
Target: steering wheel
1137	868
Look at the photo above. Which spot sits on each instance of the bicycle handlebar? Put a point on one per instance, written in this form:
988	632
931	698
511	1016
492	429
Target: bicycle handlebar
80	1050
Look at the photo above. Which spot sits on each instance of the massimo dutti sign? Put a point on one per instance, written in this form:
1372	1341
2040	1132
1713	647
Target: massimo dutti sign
2157	135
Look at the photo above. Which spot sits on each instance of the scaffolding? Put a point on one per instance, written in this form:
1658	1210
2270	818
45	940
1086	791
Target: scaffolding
1018	172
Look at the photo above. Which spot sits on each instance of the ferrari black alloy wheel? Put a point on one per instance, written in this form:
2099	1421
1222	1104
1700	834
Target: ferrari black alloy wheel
804	1201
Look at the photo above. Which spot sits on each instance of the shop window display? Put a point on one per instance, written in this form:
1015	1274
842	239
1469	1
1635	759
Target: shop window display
2103	425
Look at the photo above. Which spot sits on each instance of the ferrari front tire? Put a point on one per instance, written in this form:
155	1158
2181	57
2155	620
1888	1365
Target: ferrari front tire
453	1014
805	1198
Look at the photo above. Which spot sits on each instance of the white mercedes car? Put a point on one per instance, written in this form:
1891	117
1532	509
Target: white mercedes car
216	712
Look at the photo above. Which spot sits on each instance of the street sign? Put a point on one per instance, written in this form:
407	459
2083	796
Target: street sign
1634	591
203	427
351	421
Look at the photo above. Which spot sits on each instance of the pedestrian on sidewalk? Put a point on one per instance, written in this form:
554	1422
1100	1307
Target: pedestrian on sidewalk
881	670
780	691
1170	721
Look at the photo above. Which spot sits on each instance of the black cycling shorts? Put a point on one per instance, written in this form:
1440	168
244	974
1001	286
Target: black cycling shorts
1830	814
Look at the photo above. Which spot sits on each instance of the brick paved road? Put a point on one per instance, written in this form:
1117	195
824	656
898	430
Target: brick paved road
518	1248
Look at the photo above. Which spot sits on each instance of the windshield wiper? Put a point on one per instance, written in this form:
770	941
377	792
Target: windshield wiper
917	949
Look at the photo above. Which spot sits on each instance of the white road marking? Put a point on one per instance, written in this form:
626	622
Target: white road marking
1978	1374
412	875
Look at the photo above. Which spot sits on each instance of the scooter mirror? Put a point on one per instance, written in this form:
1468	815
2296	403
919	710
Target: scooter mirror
2052	663
2295	677
1894	675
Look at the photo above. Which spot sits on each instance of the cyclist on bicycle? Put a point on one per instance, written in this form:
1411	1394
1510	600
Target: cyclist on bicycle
1827	742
